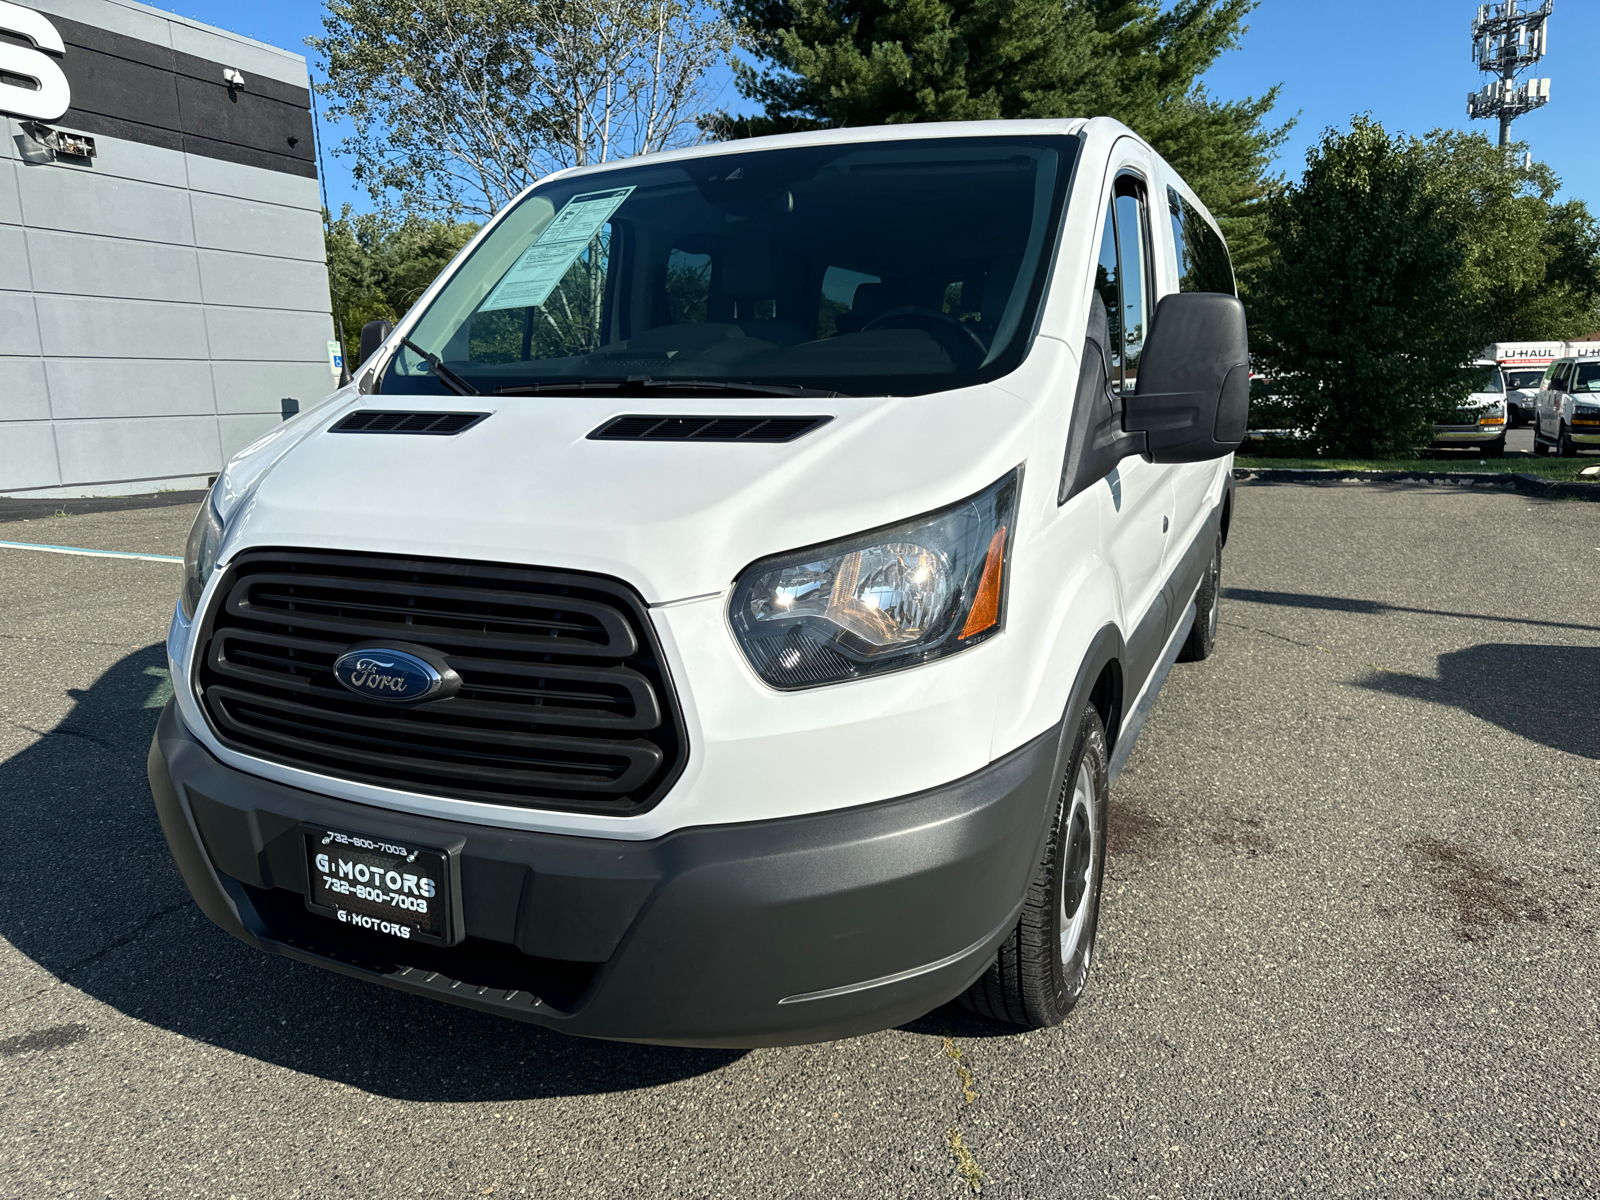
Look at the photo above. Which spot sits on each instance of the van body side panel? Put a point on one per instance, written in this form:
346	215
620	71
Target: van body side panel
1061	598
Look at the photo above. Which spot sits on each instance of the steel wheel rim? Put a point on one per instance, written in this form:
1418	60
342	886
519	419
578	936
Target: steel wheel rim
1078	864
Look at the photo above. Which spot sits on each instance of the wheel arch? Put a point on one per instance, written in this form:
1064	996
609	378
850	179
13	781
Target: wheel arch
1099	683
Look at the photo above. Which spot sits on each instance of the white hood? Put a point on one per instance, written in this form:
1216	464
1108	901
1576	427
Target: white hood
674	519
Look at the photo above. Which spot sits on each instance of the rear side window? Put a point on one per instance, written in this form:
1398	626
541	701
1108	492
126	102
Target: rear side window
688	287
841	288
1203	263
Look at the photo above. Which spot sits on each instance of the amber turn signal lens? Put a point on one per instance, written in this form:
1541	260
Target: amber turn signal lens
986	608
1492	421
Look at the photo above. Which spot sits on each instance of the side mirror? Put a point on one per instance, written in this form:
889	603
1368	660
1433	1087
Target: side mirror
373	334
1192	401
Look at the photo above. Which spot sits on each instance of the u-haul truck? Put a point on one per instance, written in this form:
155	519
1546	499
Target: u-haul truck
1524	365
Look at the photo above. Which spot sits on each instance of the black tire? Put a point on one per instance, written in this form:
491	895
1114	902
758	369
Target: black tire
1539	447
1202	639
1565	446
1495	449
1034	980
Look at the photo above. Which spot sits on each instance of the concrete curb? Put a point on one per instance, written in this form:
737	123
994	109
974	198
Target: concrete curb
1528	485
30	510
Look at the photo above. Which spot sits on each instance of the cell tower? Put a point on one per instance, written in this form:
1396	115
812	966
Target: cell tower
1506	39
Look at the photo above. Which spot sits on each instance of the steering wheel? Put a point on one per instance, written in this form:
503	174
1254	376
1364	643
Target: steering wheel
912	314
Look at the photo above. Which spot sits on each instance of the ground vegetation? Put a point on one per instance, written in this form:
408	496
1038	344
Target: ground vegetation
378	265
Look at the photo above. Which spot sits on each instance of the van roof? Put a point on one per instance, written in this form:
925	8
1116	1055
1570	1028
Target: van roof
858	133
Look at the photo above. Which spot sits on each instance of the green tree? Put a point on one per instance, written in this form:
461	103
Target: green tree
1361	318
378	265
830	63
1531	266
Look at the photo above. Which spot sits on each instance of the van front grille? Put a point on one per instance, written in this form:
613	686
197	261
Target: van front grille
564	699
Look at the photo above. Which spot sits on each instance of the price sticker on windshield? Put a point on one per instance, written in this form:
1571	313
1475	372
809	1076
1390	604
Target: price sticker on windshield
545	263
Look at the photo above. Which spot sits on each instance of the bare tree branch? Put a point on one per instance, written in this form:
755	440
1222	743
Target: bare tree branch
458	105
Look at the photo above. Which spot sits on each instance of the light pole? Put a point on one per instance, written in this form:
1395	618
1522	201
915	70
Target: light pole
1508	38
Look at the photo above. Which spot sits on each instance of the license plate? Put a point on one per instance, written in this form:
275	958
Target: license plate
380	885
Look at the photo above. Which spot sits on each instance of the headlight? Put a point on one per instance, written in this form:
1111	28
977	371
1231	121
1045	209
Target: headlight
199	557
881	601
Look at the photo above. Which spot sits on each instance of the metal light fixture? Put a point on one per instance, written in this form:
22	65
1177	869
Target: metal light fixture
63	145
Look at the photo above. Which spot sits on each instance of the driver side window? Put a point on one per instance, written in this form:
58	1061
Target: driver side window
1123	277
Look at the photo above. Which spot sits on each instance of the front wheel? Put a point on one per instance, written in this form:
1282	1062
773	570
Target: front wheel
1042	968
1495	449
1565	446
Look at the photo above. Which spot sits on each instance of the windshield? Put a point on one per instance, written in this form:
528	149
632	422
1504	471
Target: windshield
1484	379
1587	378
1524	379
871	268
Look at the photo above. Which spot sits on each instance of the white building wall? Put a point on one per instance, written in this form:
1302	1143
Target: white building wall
156	306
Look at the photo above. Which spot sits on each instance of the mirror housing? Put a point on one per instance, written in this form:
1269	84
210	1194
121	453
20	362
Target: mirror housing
373	335
1192	399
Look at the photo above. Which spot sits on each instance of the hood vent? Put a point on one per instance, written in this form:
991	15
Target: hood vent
367	420
706	429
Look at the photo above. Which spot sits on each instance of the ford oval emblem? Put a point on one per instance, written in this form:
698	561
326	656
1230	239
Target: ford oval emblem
382	673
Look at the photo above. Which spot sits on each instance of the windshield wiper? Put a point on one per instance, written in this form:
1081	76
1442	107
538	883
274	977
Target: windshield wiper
641	384
443	373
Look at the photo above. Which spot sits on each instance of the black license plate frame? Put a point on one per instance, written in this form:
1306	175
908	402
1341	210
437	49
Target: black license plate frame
348	878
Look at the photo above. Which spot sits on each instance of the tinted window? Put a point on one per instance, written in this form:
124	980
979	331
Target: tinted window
1586	377
871	268
688	287
1122	277
840	288
1108	282
1203	263
1132	254
569	321
1523	379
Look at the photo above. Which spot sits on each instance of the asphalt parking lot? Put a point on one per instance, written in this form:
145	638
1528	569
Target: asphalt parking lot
1348	944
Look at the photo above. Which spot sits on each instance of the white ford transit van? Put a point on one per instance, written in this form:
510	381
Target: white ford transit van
716	613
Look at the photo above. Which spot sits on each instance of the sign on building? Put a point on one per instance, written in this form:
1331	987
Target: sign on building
43	94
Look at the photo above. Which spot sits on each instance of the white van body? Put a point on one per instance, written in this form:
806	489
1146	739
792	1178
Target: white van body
1524	365
1481	421
814	860
1566	415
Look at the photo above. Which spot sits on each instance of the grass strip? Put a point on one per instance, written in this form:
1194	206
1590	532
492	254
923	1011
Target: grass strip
1555	469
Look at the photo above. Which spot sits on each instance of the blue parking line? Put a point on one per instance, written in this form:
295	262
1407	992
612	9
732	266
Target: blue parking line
90	553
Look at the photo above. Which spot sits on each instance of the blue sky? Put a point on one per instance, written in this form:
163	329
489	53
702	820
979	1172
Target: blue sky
1406	61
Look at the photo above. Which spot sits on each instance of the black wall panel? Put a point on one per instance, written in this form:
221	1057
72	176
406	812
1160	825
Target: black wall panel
127	88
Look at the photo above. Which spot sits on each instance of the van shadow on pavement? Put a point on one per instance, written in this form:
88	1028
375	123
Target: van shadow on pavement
91	895
1543	693
1540	692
